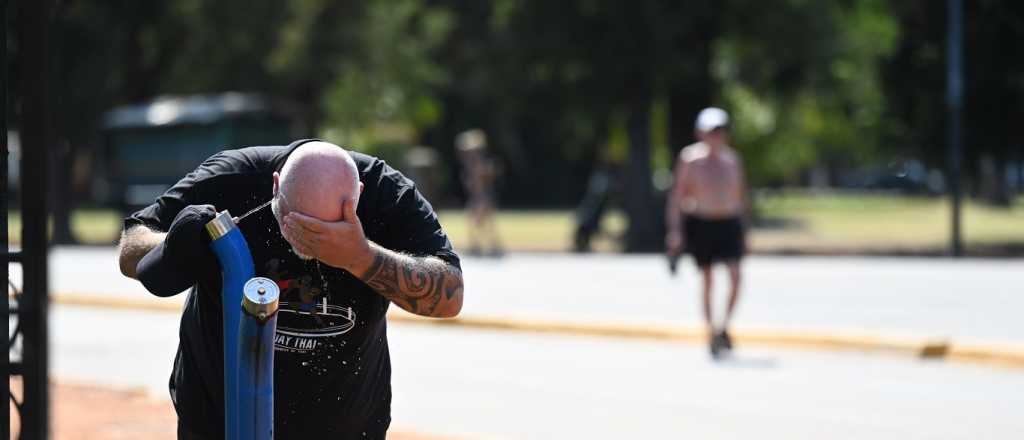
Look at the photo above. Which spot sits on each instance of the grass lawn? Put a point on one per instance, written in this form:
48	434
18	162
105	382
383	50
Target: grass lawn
90	226
543	231
880	222
790	221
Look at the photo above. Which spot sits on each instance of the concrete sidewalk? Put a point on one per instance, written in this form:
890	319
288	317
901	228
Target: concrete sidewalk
85	411
467	382
969	301
477	384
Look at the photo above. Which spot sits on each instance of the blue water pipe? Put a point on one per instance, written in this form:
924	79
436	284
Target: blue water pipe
237	269
256	359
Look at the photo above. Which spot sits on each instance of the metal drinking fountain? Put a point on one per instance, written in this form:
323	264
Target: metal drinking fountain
248	341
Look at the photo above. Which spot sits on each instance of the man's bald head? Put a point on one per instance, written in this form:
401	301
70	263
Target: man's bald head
316	178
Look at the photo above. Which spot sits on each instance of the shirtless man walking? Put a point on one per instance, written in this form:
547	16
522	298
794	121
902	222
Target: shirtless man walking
706	213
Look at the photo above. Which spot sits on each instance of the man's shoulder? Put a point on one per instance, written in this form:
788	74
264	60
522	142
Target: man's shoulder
365	162
731	154
693	152
247	159
380	178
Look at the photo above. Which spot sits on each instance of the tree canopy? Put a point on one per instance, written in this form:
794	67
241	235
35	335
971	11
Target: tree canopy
560	86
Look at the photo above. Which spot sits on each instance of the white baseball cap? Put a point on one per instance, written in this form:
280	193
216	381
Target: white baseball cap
711	118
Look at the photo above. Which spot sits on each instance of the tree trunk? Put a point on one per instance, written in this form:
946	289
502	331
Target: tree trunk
643	233
62	192
694	89
684	102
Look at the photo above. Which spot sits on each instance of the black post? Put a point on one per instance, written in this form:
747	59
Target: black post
954	102
1020	168
34	53
6	434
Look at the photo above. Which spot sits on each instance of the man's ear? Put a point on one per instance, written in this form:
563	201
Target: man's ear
277	183
361	187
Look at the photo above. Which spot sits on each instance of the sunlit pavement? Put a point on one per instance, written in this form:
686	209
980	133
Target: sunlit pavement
972	300
462	381
484	384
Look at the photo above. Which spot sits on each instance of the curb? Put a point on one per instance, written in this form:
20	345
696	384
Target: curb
1006	355
997	355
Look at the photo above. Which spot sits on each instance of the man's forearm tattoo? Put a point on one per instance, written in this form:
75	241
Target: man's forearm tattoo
419	285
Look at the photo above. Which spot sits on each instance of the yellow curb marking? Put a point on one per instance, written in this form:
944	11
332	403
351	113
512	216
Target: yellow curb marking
1005	355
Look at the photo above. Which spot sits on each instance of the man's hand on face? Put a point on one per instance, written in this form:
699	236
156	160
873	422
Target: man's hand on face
339	244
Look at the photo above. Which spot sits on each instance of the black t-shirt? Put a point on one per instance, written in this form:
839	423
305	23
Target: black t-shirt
332	371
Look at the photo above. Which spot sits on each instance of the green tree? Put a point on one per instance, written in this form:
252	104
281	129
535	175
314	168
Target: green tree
552	77
803	82
915	84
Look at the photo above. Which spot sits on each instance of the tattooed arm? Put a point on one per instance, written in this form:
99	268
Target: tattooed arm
425	286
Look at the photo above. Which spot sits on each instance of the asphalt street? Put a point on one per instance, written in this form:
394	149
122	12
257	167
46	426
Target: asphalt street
501	385
511	385
967	300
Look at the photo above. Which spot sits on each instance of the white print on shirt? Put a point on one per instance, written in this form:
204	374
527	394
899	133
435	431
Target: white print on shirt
302	331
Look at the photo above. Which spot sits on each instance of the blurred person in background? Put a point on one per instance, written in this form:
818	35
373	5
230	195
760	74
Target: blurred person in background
479	172
706	214
601	188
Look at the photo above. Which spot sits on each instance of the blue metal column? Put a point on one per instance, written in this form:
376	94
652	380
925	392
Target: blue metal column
256	359
236	264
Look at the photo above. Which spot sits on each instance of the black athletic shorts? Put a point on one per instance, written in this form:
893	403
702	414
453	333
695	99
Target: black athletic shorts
711	241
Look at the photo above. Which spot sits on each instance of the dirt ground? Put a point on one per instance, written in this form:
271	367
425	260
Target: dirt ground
89	412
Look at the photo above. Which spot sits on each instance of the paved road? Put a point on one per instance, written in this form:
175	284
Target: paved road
494	385
516	386
968	301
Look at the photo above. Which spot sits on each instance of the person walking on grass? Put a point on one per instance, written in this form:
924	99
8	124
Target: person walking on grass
706	214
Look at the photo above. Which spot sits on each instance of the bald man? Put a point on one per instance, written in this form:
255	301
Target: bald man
345	236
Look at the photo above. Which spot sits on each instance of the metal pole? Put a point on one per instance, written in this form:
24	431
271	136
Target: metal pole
3	230
236	269
954	101
34	53
256	331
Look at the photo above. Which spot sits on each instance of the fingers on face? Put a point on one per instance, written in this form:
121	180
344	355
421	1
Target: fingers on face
303	221
348	209
302	240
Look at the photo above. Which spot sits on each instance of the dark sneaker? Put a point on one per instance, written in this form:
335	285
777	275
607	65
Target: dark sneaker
726	340
673	264
716	346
